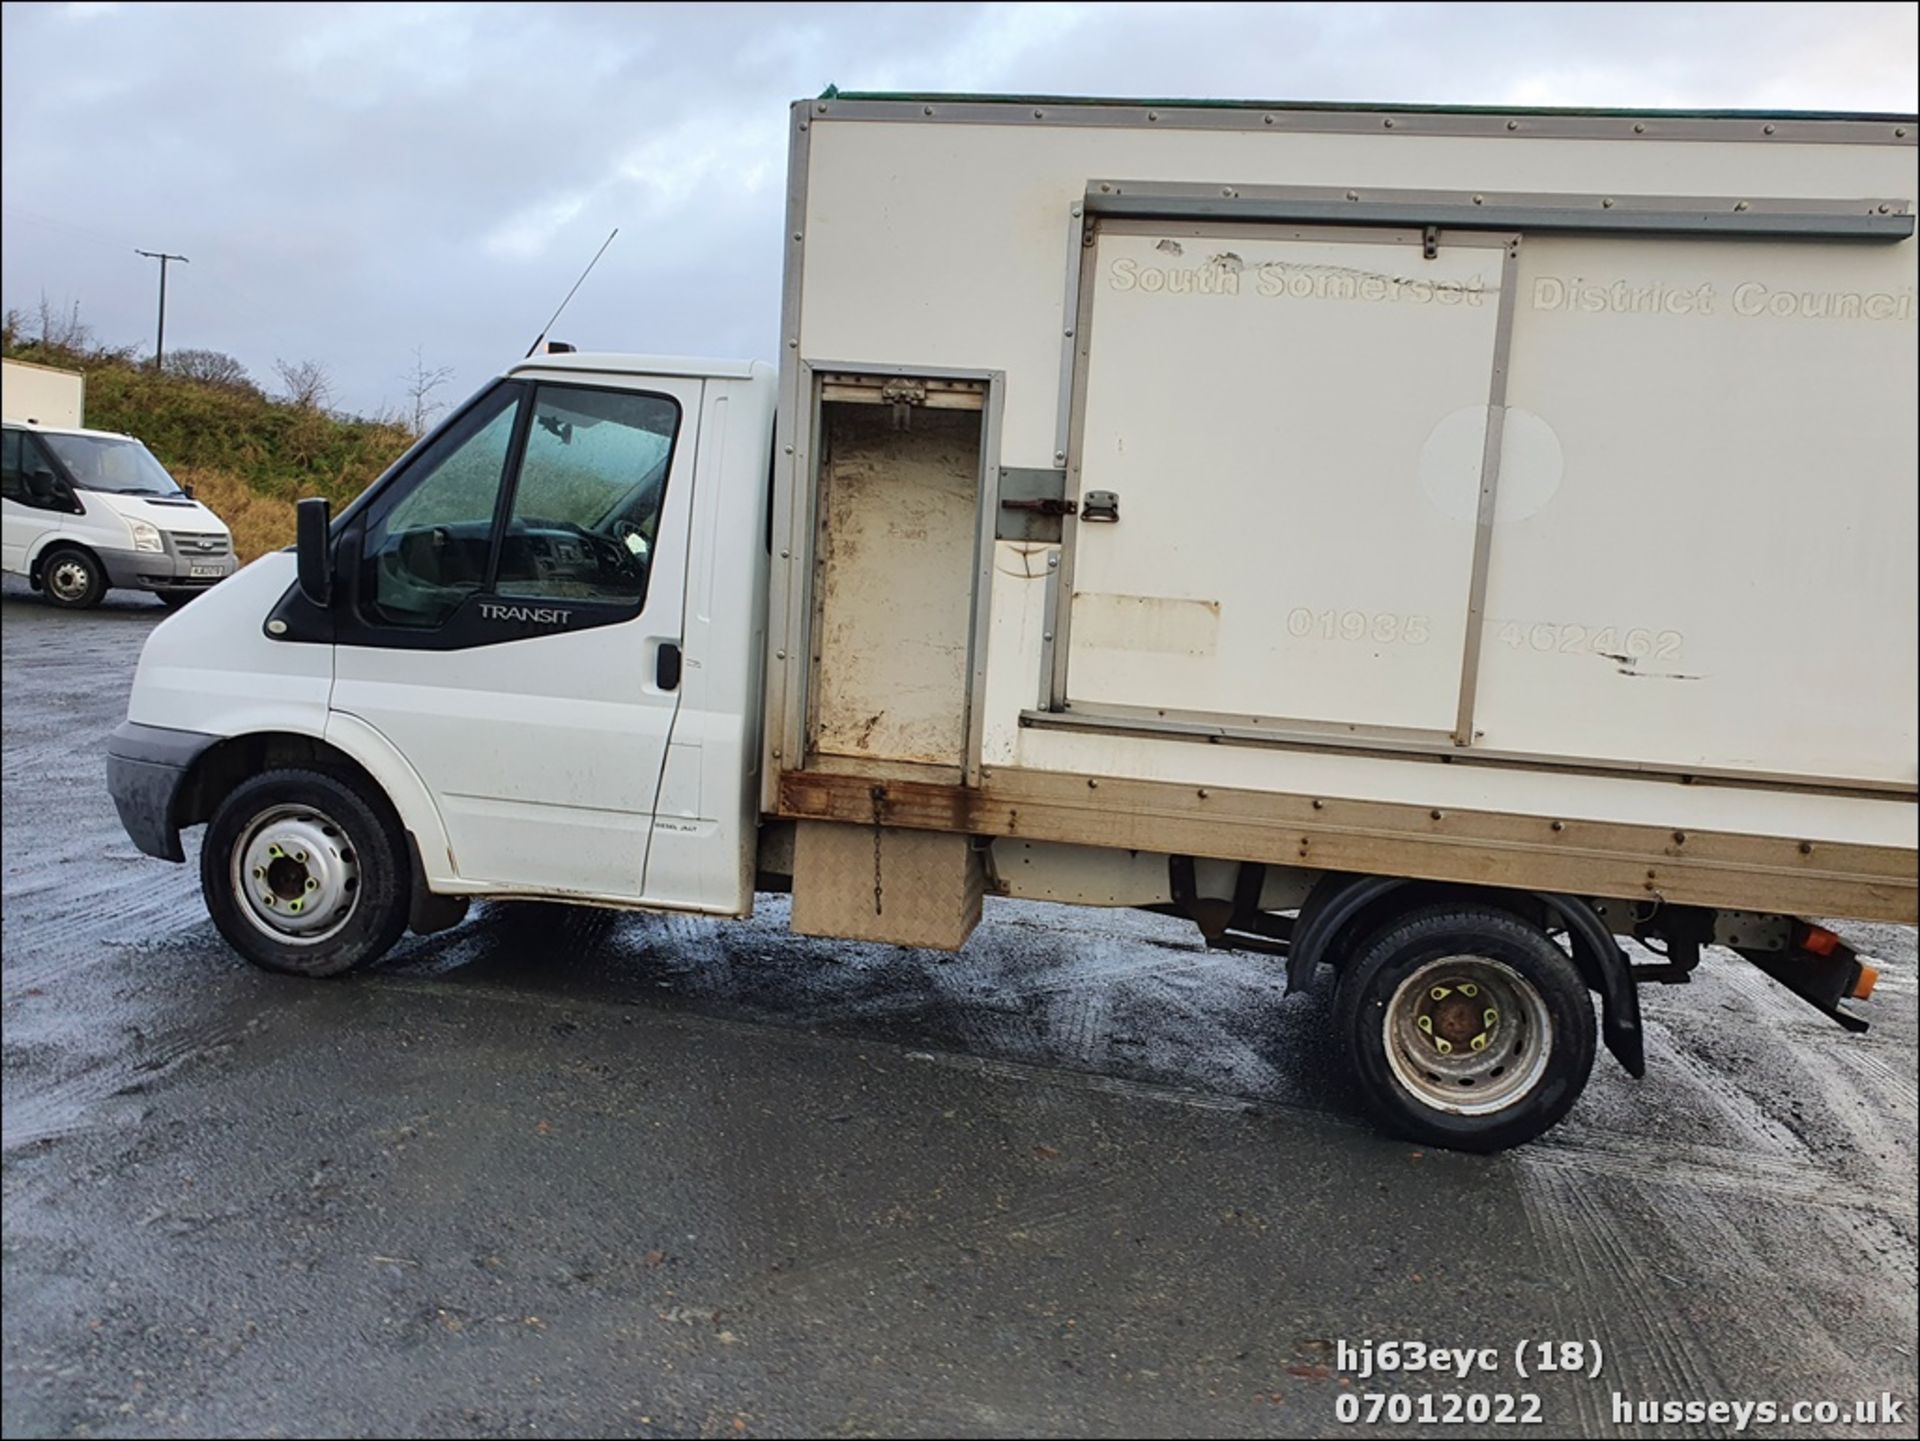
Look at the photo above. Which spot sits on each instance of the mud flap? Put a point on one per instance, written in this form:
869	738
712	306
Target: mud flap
426	912
1609	972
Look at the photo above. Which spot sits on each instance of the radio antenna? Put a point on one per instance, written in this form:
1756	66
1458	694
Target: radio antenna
570	294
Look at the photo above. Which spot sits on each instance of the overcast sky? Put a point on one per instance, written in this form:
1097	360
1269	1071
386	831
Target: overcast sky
351	181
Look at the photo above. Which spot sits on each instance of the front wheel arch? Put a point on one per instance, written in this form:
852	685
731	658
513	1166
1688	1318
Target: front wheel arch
228	763
45	546
221	767
60	545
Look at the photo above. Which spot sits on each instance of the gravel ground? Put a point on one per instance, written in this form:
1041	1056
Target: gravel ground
690	1178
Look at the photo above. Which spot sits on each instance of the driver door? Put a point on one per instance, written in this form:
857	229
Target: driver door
24	517
512	620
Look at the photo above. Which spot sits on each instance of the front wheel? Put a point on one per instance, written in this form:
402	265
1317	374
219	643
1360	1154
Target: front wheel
174	599
305	873
72	579
1467	1027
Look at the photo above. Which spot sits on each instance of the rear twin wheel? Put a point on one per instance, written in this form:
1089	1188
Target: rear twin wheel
1467	1027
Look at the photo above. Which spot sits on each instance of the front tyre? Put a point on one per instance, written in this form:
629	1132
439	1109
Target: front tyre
1467	1028
72	579
306	873
174	599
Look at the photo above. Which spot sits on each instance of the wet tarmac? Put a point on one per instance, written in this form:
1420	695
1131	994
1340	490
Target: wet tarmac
668	1177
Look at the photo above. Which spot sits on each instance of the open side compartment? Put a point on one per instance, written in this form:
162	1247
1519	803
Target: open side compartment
896	551
903	504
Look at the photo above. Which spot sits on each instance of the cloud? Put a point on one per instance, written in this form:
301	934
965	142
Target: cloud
354	180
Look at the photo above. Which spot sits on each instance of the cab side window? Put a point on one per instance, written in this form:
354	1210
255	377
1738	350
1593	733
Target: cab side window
428	545
586	501
537	493
28	475
11	485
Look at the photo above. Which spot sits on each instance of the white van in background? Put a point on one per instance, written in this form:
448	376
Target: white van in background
88	510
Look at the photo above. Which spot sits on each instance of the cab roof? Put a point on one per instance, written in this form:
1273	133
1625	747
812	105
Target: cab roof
615	362
34	425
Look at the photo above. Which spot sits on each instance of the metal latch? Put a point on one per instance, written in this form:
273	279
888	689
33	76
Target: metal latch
903	396
1102	505
1031	504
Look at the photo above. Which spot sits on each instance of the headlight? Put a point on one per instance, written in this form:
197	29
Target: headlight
145	537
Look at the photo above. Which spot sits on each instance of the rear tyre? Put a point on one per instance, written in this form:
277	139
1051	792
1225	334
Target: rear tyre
306	873
174	599
1467	1028
72	579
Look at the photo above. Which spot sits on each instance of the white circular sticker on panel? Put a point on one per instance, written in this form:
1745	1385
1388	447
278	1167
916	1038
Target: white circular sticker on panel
1531	465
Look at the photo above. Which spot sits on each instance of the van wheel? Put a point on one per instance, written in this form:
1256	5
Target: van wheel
306	873
174	599
1467	1027
72	579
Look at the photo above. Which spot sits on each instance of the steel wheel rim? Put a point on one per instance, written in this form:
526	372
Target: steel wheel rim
296	875
1468	1035
69	579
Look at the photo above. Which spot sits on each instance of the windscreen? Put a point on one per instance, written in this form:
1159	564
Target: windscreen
112	464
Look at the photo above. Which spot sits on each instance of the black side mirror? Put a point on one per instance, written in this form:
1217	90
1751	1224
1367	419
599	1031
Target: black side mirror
43	486
187	490
312	554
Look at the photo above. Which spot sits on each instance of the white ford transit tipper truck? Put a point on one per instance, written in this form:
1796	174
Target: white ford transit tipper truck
1430	544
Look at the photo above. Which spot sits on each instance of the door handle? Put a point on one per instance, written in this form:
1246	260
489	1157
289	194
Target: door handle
666	666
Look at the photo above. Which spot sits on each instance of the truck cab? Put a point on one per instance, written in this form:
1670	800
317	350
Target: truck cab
538	655
86	511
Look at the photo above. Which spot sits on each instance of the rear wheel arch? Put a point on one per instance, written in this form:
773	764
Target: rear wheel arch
1344	911
1417	990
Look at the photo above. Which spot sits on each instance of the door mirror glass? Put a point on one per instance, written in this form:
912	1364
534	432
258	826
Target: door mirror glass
43	486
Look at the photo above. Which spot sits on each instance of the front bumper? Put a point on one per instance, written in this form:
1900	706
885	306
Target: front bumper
164	570
146	766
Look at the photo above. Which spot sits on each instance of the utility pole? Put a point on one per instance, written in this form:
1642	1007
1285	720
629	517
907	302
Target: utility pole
160	336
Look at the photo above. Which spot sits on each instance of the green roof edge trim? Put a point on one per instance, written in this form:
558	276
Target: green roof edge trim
833	92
